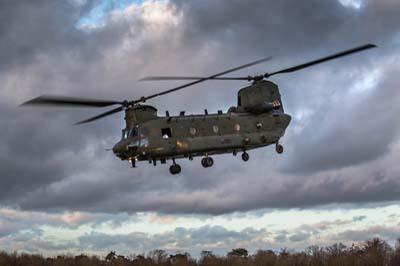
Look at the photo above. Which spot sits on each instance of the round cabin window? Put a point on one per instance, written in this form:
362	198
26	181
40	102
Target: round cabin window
215	129
237	127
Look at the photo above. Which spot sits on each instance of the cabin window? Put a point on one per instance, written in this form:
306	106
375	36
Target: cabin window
237	127
239	101
166	133
215	129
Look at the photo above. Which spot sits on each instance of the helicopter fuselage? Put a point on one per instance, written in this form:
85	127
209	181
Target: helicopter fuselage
171	137
258	120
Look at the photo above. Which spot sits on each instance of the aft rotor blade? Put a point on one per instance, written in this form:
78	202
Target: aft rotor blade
321	60
203	79
157	78
113	111
55	100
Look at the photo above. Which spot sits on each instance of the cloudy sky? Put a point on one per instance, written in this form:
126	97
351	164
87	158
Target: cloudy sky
338	180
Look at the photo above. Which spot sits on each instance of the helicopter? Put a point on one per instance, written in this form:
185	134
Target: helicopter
258	120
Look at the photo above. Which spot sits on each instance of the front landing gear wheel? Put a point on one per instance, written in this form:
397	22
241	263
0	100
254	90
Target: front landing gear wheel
245	156
279	148
175	169
210	161
207	162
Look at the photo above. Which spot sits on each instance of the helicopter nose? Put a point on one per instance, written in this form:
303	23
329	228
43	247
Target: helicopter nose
118	149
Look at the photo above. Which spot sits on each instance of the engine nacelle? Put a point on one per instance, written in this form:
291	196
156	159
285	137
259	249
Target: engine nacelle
264	107
260	97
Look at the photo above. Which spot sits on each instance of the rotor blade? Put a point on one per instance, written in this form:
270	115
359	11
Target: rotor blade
202	79
55	100
321	60
157	78
113	111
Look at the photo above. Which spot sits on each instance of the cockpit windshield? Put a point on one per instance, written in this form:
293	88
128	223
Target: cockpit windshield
126	133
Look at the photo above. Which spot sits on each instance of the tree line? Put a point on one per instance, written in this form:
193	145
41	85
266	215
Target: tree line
374	252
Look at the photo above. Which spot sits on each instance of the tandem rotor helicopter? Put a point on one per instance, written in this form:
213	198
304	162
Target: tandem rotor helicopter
258	120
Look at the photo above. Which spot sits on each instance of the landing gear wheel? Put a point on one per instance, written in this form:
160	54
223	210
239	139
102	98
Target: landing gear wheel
175	169
207	162
210	161
204	162
245	156
279	148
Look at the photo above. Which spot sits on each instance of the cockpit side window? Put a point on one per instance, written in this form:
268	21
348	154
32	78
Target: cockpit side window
125	134
133	132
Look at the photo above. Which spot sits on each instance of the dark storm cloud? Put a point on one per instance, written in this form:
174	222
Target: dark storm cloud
257	26
39	42
47	164
39	151
29	28
287	28
352	131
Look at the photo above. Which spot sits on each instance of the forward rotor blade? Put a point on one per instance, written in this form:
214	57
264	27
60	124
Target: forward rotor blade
54	100
113	111
143	99
157	78
321	60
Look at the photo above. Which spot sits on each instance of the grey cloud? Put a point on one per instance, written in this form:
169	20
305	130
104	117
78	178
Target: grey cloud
281	237
359	218
350	134
193	240
381	231
220	239
180	239
29	29
14	221
287	27
33	241
260	26
299	237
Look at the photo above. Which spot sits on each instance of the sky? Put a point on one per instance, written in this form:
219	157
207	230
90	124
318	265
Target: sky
337	181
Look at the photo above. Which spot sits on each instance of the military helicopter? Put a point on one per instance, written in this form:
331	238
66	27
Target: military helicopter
258	120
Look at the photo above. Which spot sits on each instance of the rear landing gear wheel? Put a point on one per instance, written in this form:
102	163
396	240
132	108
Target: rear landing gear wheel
245	156
279	148
175	169
203	162
207	162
